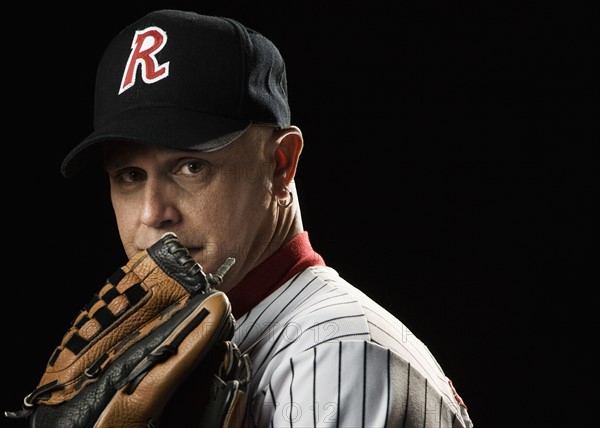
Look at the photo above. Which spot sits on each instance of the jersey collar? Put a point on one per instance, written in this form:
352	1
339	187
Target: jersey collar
292	258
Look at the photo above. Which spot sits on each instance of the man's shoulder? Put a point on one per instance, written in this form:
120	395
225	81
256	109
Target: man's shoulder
383	328
374	312
318	317
318	306
335	298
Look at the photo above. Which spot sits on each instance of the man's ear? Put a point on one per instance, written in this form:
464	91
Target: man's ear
286	156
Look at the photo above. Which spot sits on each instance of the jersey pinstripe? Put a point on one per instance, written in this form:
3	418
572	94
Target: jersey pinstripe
326	355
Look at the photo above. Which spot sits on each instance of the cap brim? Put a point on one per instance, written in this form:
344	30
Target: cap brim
161	126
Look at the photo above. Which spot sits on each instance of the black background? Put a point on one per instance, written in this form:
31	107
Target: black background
447	172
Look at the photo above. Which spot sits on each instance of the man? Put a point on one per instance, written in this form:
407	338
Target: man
192	126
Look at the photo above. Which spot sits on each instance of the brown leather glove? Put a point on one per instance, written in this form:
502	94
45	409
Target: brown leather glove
151	349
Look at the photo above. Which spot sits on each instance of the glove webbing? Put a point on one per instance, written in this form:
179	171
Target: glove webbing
94	321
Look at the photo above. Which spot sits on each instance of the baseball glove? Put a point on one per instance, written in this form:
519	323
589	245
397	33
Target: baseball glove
151	349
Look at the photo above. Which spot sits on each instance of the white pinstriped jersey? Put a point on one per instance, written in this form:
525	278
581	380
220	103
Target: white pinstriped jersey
325	355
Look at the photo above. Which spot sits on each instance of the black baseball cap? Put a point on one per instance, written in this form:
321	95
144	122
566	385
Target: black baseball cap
186	81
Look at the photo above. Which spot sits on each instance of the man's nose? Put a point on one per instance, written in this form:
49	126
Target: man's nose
159	208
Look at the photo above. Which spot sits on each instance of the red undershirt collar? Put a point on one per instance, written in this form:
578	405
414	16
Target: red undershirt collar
292	258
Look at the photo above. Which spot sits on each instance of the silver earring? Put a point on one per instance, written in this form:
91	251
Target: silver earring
287	202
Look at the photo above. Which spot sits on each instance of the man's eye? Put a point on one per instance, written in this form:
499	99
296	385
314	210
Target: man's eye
192	167
131	175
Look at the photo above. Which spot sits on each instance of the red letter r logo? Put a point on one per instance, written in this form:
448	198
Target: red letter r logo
146	44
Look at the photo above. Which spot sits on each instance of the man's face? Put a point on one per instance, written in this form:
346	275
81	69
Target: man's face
220	204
